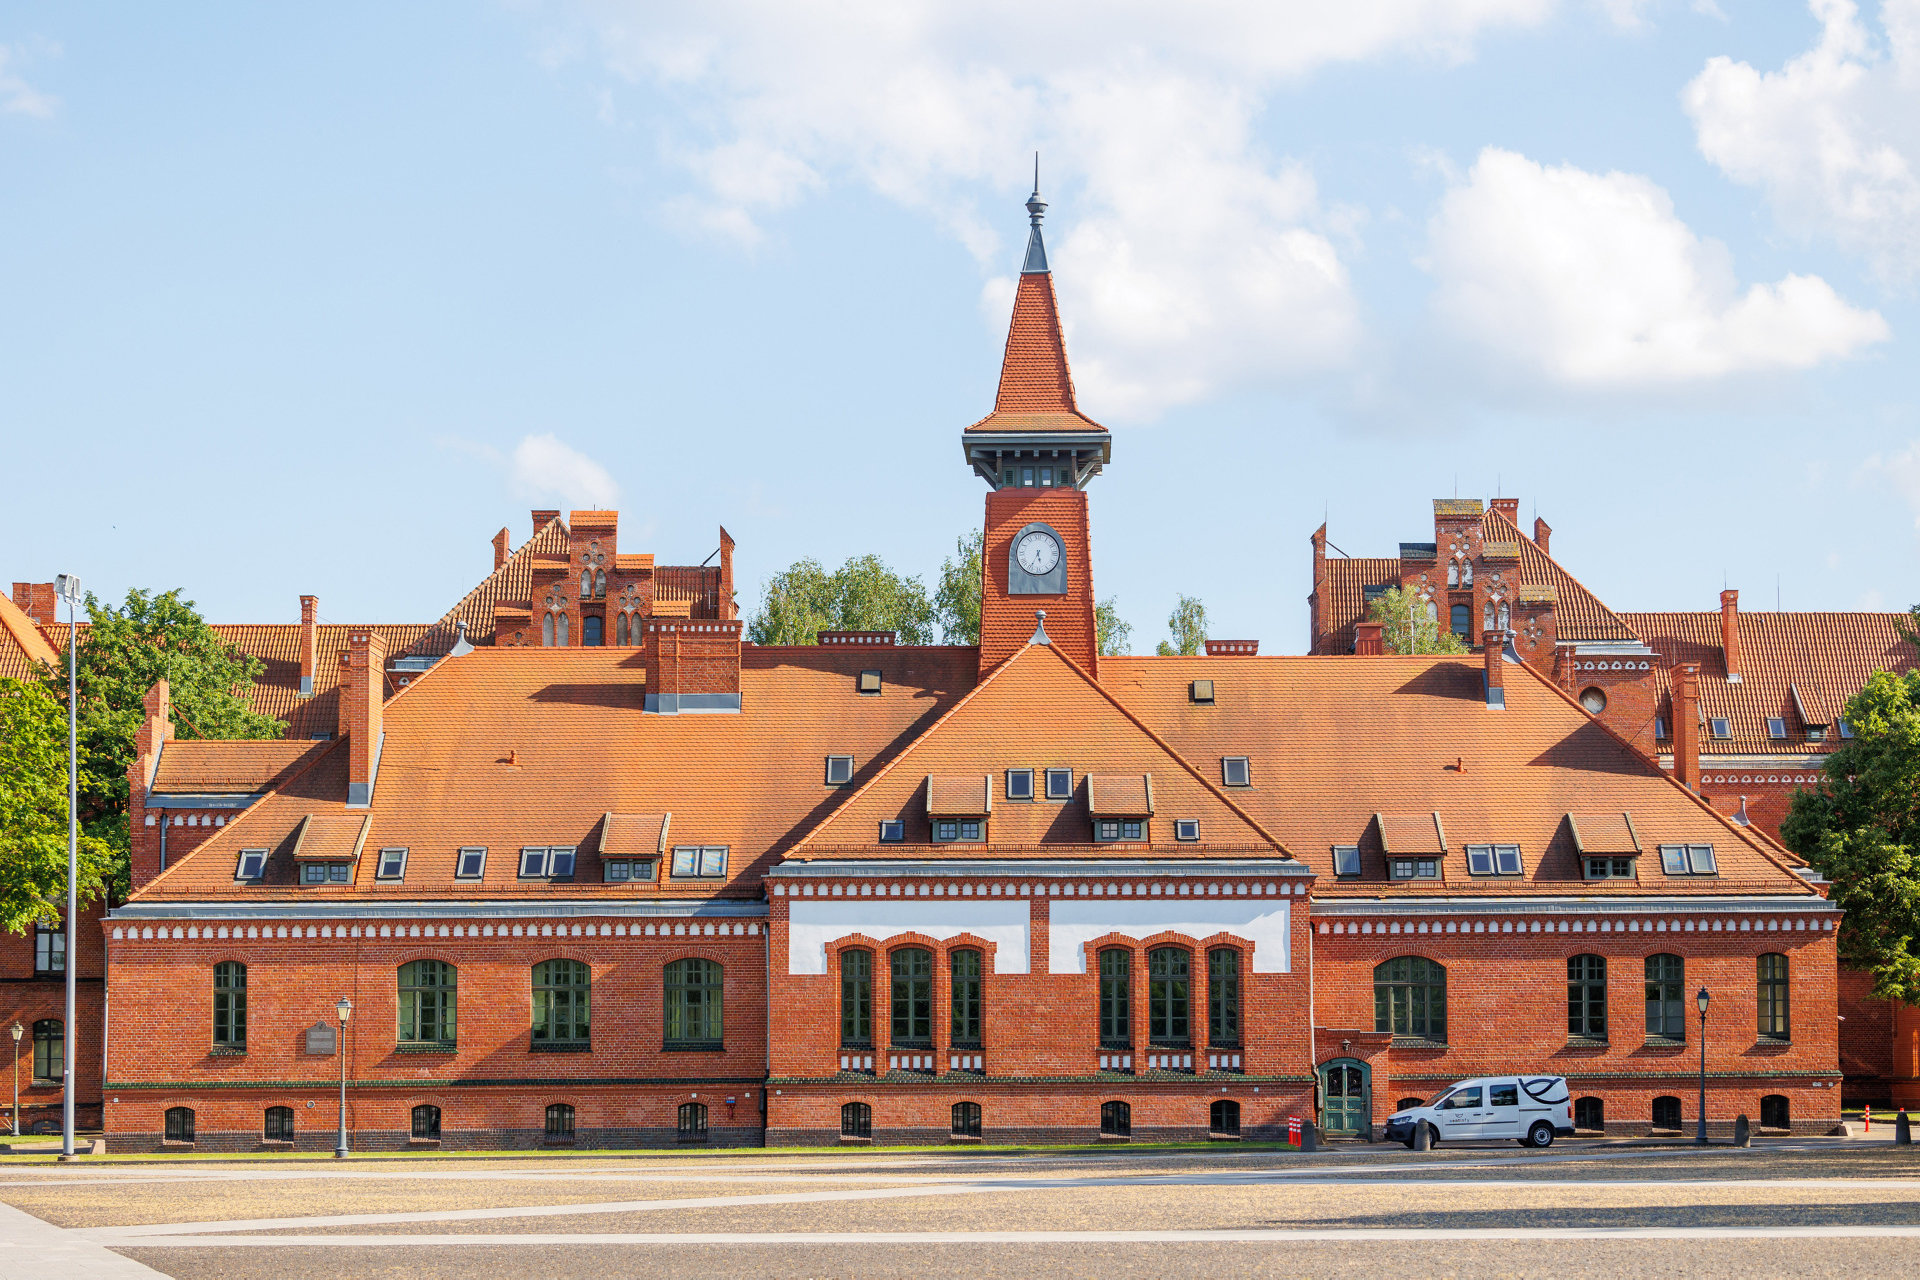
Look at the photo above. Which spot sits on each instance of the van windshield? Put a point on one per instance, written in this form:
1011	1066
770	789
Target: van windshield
1441	1096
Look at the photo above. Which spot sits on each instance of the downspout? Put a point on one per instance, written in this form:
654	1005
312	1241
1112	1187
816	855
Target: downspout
1313	1023
163	839
106	1021
766	948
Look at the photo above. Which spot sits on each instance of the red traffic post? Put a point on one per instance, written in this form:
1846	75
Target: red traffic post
1293	1130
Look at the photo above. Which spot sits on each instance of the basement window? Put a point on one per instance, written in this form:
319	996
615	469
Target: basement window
950	830
839	770
1493	859
471	864
1414	868
1236	771
868	683
326	873
1186	829
1608	868
1718	727
708	862
1059	784
253	864
620	870
1019	784
1346	860
1201	691
392	865
893	831
1776	728
1688	860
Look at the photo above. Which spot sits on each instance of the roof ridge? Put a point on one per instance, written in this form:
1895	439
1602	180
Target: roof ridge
1492	513
448	621
26	632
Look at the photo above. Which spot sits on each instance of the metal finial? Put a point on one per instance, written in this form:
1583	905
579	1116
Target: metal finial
1036	207
1040	628
1036	260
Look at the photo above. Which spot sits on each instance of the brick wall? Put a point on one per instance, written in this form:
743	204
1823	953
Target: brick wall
1006	621
26	998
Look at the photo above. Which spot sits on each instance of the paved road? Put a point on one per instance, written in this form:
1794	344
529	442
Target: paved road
1816	1207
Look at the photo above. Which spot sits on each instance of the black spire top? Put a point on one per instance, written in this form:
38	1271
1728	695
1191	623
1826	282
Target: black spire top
1036	263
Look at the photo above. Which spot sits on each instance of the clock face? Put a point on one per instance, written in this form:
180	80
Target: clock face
1037	553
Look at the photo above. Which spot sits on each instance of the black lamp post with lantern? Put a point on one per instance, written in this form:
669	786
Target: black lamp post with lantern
1700	1133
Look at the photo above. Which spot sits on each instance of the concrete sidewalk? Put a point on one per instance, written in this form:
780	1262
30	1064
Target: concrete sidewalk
30	1247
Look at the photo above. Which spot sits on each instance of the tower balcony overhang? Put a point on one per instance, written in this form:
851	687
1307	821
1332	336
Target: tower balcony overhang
1083	449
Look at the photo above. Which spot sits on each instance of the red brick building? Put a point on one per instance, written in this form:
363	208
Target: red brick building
684	888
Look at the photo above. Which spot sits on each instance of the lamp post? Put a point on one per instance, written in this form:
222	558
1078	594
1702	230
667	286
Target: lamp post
67	587
18	1031
345	1009
1700	1134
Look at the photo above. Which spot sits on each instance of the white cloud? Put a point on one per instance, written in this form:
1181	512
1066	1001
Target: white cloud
1901	473
1590	280
544	469
1188	257
1832	138
17	97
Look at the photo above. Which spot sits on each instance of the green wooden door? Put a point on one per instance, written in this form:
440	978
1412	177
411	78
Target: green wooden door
1346	1096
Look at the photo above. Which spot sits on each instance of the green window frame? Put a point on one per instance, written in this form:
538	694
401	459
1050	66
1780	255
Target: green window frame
230	1005
1169	996
1116	998
49	1050
1666	995
1771	974
1410	998
562	1004
912	997
856	998
693	1000
1587	997
966	966
1223	997
428	999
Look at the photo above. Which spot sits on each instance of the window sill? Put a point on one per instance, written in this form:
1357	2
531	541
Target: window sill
423	1144
226	1051
1417	1042
174	1144
693	1046
437	1047
561	1046
847	1140
1664	1042
1115	1137
1773	1042
1587	1042
963	1137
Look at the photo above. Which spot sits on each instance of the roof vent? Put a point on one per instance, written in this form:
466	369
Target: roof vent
1039	628
860	639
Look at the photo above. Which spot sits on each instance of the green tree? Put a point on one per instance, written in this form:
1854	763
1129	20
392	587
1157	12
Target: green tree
1110	630
33	813
956	602
1406	625
861	595
150	637
1860	827
1188	623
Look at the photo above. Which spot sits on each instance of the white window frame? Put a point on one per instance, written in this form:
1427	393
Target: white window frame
460	862
1346	860
1720	728
1226	771
259	859
561	860
1064	775
1688	860
399	864
1186	830
893	831
842	763
1026	777
1777	728
533	861
699	862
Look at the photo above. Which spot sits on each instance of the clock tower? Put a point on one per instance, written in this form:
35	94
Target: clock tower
1037	451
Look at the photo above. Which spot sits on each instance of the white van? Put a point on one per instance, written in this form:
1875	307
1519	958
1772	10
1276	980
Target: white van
1531	1110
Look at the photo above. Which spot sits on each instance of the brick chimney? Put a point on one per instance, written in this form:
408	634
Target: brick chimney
309	641
1315	621
541	519
499	548
1730	633
1685	679
1542	531
1508	507
148	843
1368	640
693	664
727	607
1493	649
37	601
362	699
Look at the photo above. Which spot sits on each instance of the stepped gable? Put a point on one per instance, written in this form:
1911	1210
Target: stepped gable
506	747
510	584
1579	613
1332	742
1037	710
1800	667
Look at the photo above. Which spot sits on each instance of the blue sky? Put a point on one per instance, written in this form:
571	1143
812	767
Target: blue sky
314	301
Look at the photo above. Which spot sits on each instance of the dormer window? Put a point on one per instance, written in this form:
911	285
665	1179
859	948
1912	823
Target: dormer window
392	864
1019	784
1236	771
839	770
868	684
1109	829
326	872
620	870
1777	728
1608	868
1201	692
471	864
1414	868
1493	859
948	831
253	864
1846	730
1346	860
893	831
1059	784
1660	728
1818	733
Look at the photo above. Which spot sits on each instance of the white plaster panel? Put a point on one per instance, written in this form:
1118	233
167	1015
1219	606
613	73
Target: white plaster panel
812	925
1265	923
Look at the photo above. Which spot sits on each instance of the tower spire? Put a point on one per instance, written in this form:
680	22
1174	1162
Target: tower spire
1036	263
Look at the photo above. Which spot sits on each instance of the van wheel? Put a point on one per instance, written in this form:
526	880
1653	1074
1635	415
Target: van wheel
1541	1135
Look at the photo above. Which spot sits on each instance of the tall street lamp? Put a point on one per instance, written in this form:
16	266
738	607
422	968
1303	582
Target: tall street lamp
1700	1134
67	587
345	1009
18	1031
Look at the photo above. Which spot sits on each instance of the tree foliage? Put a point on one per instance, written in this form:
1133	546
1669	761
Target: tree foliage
33	813
1406	626
863	594
956	602
1861	829
1111	631
1188	627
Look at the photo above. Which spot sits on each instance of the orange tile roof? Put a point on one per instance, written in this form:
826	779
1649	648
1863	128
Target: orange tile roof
1036	385
510	584
1603	833
23	648
332	837
969	795
1335	740
197	767
1823	657
634	835
1120	795
1404	833
1343	597
1579	613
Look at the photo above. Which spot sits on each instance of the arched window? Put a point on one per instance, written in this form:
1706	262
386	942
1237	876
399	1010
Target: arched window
912	998
230	1005
1223	996
620	630
856	999
1224	1117
179	1124
560	630
1666	1113
1410	998
966	1119
1589	1114
559	1120
599	583
1407	1104
1433	612
1168	996
561	990
1772	972
1462	618
426	1122
593	631
1453	573
693	1122
1466	573
1666	1014
1486	616
546	631
1587	997
1116	999
1774	1112
49	1050
1506	615
427	1002
856	1120
586	584
279	1124
1116	1119
693	1004
966	968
